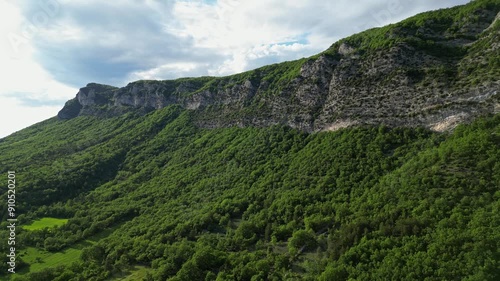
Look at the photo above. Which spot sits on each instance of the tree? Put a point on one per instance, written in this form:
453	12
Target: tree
302	240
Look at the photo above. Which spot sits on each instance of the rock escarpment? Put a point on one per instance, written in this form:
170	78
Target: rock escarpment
425	71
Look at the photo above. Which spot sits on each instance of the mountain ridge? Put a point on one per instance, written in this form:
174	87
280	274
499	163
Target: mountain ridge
215	184
436	69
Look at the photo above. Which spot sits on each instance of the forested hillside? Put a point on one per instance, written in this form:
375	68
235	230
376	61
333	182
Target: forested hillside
377	159
367	203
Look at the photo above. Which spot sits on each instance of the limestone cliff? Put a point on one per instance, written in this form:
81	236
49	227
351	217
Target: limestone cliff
436	69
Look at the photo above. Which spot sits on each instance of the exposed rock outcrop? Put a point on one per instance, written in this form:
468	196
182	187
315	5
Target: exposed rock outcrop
409	80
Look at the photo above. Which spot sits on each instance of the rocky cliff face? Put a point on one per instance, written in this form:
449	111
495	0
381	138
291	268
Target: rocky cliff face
430	70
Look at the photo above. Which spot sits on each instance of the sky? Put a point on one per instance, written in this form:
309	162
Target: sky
51	48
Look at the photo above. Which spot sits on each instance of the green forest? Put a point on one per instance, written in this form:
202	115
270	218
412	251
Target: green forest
158	197
144	194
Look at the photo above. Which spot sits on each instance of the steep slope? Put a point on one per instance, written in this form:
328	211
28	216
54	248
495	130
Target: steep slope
270	203
436	69
251	177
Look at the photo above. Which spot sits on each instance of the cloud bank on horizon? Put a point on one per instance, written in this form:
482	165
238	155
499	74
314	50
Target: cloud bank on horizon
50	48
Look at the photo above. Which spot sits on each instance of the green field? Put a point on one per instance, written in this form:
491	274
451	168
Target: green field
45	222
40	259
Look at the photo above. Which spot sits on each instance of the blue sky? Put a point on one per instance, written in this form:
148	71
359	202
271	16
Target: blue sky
50	48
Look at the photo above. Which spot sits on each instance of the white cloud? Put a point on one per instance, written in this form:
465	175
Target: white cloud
16	117
172	69
27	92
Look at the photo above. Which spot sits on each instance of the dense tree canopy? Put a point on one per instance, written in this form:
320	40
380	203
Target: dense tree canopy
366	203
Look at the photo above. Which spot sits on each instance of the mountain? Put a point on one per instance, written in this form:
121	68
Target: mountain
374	160
435	70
